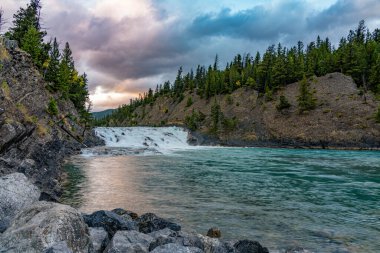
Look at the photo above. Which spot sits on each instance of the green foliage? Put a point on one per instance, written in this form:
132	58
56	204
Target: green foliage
306	101
193	121
377	115
6	89
229	100
31	43
52	108
283	104
357	55
268	94
189	102
57	68
229	124
215	117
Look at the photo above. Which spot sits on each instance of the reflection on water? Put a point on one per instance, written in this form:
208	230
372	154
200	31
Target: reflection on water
108	185
325	201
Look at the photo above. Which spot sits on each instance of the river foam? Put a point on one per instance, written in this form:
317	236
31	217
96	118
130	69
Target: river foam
141	140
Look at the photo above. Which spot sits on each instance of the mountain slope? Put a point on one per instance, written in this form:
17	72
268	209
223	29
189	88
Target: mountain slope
343	118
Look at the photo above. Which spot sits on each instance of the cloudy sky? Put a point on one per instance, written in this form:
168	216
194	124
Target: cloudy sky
127	46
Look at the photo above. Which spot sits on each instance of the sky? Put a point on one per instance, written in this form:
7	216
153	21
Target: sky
129	46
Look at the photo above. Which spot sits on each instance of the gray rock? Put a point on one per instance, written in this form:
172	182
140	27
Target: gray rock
247	246
60	247
122	212
176	248
16	193
214	245
110	221
42	226
99	238
150	222
163	233
129	242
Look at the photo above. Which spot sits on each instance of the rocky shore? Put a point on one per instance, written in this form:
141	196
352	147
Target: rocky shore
30	225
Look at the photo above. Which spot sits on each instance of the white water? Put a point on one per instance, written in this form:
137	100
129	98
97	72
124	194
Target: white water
151	139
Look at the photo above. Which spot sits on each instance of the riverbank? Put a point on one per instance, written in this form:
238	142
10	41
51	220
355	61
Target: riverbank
29	225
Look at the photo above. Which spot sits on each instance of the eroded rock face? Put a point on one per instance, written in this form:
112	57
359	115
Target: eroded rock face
16	193
44	225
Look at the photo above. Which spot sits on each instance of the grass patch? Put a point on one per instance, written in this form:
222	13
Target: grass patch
6	89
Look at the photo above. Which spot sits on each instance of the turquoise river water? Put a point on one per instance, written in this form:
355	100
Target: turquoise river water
323	201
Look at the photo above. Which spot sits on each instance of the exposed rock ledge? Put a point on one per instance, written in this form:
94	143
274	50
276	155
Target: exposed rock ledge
40	226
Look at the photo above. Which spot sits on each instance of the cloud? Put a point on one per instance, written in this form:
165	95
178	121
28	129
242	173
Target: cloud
344	13
258	23
128	46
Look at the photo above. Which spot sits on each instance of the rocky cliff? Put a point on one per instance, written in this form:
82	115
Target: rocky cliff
33	140
343	117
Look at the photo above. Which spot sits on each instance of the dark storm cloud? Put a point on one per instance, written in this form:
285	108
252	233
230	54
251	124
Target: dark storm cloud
258	23
127	48
344	13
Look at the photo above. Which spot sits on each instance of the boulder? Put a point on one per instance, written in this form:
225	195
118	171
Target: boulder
247	246
44	225
150	222
60	247
110	221
176	248
214	245
129	242
16	193
99	238
122	212
214	233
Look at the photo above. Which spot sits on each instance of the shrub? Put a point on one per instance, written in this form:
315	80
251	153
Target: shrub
377	116
52	107
306	101
283	104
229	100
189	102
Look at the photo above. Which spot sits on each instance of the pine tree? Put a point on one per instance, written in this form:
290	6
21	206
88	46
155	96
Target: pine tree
26	18
31	44
65	71
52	71
306	101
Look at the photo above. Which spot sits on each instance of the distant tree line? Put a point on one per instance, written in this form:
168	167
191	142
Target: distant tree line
56	66
357	55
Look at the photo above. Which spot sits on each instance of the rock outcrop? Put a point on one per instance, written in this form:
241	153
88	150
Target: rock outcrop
343	117
44	226
32	141
16	193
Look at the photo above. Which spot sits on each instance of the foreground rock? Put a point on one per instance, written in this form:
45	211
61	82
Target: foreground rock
45	226
110	221
16	193
150	222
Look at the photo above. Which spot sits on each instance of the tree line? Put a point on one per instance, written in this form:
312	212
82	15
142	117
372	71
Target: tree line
357	55
57	66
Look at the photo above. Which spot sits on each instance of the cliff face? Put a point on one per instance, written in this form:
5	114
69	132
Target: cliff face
33	141
343	117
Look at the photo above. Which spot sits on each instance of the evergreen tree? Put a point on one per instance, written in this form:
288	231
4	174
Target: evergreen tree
306	101
52	71
26	18
31	44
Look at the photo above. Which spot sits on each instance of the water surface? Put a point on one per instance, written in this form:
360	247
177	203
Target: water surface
324	201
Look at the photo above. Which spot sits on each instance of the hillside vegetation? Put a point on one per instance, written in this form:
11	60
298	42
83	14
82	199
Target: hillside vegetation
289	96
43	112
